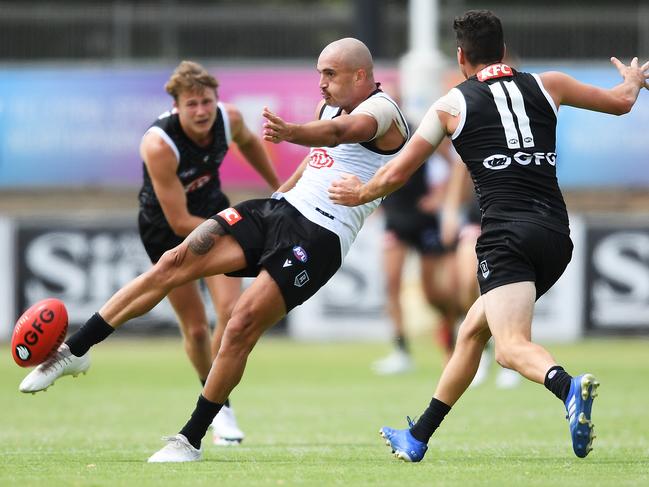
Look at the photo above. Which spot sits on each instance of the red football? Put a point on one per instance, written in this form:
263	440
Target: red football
39	332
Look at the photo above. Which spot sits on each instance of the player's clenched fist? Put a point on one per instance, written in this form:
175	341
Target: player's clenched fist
346	190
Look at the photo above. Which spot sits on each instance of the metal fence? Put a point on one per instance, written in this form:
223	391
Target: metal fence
127	31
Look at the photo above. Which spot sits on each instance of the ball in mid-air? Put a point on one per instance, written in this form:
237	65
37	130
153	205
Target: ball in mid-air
39	332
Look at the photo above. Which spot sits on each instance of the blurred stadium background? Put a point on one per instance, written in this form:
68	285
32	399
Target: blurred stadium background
81	80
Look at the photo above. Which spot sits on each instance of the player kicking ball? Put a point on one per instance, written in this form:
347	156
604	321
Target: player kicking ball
358	129
503	125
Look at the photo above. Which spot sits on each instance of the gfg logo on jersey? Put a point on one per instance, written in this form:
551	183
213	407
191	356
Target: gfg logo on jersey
319	159
501	161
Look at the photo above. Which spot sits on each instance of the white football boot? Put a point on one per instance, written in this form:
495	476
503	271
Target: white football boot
177	449
225	428
398	362
60	364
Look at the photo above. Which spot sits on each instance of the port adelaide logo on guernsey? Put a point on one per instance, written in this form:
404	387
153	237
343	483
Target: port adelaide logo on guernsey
320	158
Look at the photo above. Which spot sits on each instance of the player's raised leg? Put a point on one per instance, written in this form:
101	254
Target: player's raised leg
206	251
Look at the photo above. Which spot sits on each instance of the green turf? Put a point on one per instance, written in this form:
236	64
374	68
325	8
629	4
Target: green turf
312	414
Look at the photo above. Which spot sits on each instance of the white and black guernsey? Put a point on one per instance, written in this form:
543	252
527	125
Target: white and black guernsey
507	138
310	195
198	168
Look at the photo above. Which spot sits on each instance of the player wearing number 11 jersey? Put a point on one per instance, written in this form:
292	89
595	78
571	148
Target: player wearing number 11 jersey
506	135
502	124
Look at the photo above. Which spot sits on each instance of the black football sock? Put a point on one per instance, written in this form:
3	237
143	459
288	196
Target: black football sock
227	401
557	381
200	420
401	343
94	331
430	420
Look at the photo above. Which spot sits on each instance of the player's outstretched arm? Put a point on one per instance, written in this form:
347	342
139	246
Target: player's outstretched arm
345	129
350	191
565	90
251	147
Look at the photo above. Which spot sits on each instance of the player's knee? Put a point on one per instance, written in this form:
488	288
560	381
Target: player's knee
501	358
240	333
197	333
165	271
474	328
438	299
506	353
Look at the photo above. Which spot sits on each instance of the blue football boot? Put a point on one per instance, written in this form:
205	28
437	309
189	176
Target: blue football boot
404	446
583	389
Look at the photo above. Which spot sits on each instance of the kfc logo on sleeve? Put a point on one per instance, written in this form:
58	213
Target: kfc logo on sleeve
319	158
230	215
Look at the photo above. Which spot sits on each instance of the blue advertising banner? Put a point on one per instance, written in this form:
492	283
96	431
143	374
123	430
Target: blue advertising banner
82	126
73	127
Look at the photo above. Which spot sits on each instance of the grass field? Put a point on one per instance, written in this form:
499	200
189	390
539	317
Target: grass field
312	413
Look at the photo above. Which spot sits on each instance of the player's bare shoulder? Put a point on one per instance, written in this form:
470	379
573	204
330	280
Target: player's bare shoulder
556	83
235	117
154	150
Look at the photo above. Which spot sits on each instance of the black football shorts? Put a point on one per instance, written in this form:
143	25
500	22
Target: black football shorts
157	240
517	251
158	237
298	254
418	230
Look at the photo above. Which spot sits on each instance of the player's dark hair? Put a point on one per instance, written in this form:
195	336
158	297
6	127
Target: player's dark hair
480	35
